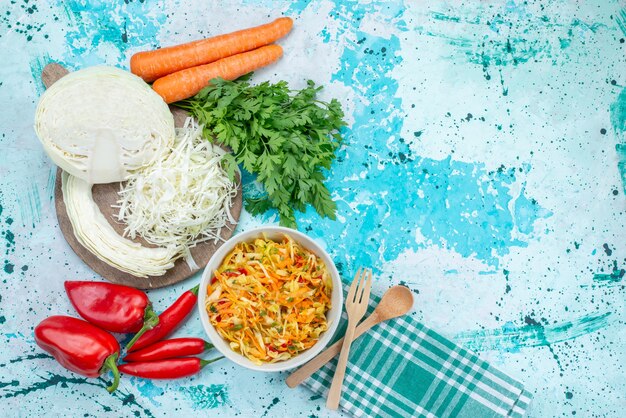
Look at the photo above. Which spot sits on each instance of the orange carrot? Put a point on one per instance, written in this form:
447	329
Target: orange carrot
151	65
186	83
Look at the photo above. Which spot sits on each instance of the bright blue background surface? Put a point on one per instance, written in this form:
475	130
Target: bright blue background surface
480	169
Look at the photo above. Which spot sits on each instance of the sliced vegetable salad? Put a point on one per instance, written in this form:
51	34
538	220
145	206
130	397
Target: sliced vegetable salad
269	299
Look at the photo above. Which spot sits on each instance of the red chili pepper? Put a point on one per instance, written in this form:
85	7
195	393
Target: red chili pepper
79	346
169	320
173	368
112	307
176	347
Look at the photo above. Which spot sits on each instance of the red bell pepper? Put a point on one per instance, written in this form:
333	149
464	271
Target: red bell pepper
173	368
79	346
176	347
112	307
169	320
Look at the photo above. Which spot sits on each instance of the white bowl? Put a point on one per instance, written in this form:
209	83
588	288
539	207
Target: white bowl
332	316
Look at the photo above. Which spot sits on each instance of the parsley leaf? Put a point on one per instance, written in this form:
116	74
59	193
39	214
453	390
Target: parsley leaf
288	138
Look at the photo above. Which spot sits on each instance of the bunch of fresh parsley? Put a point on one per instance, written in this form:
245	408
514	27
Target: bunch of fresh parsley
286	137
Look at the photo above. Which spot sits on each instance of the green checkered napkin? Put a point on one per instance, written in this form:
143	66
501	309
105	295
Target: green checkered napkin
400	368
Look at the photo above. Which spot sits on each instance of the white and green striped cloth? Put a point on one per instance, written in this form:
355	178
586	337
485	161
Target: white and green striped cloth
400	368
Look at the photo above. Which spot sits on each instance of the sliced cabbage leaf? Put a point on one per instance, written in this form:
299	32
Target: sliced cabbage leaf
94	232
102	123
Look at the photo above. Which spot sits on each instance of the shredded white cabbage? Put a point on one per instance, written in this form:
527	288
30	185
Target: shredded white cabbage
102	123
182	198
96	234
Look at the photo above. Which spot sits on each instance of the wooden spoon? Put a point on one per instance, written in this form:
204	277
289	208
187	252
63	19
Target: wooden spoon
396	302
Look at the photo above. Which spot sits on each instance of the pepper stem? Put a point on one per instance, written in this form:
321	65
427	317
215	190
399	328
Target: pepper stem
150	320
195	289
205	362
208	345
110	364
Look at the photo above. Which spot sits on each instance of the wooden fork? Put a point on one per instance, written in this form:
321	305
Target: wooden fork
356	305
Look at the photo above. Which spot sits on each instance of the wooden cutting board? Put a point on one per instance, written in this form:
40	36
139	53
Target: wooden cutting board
106	195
